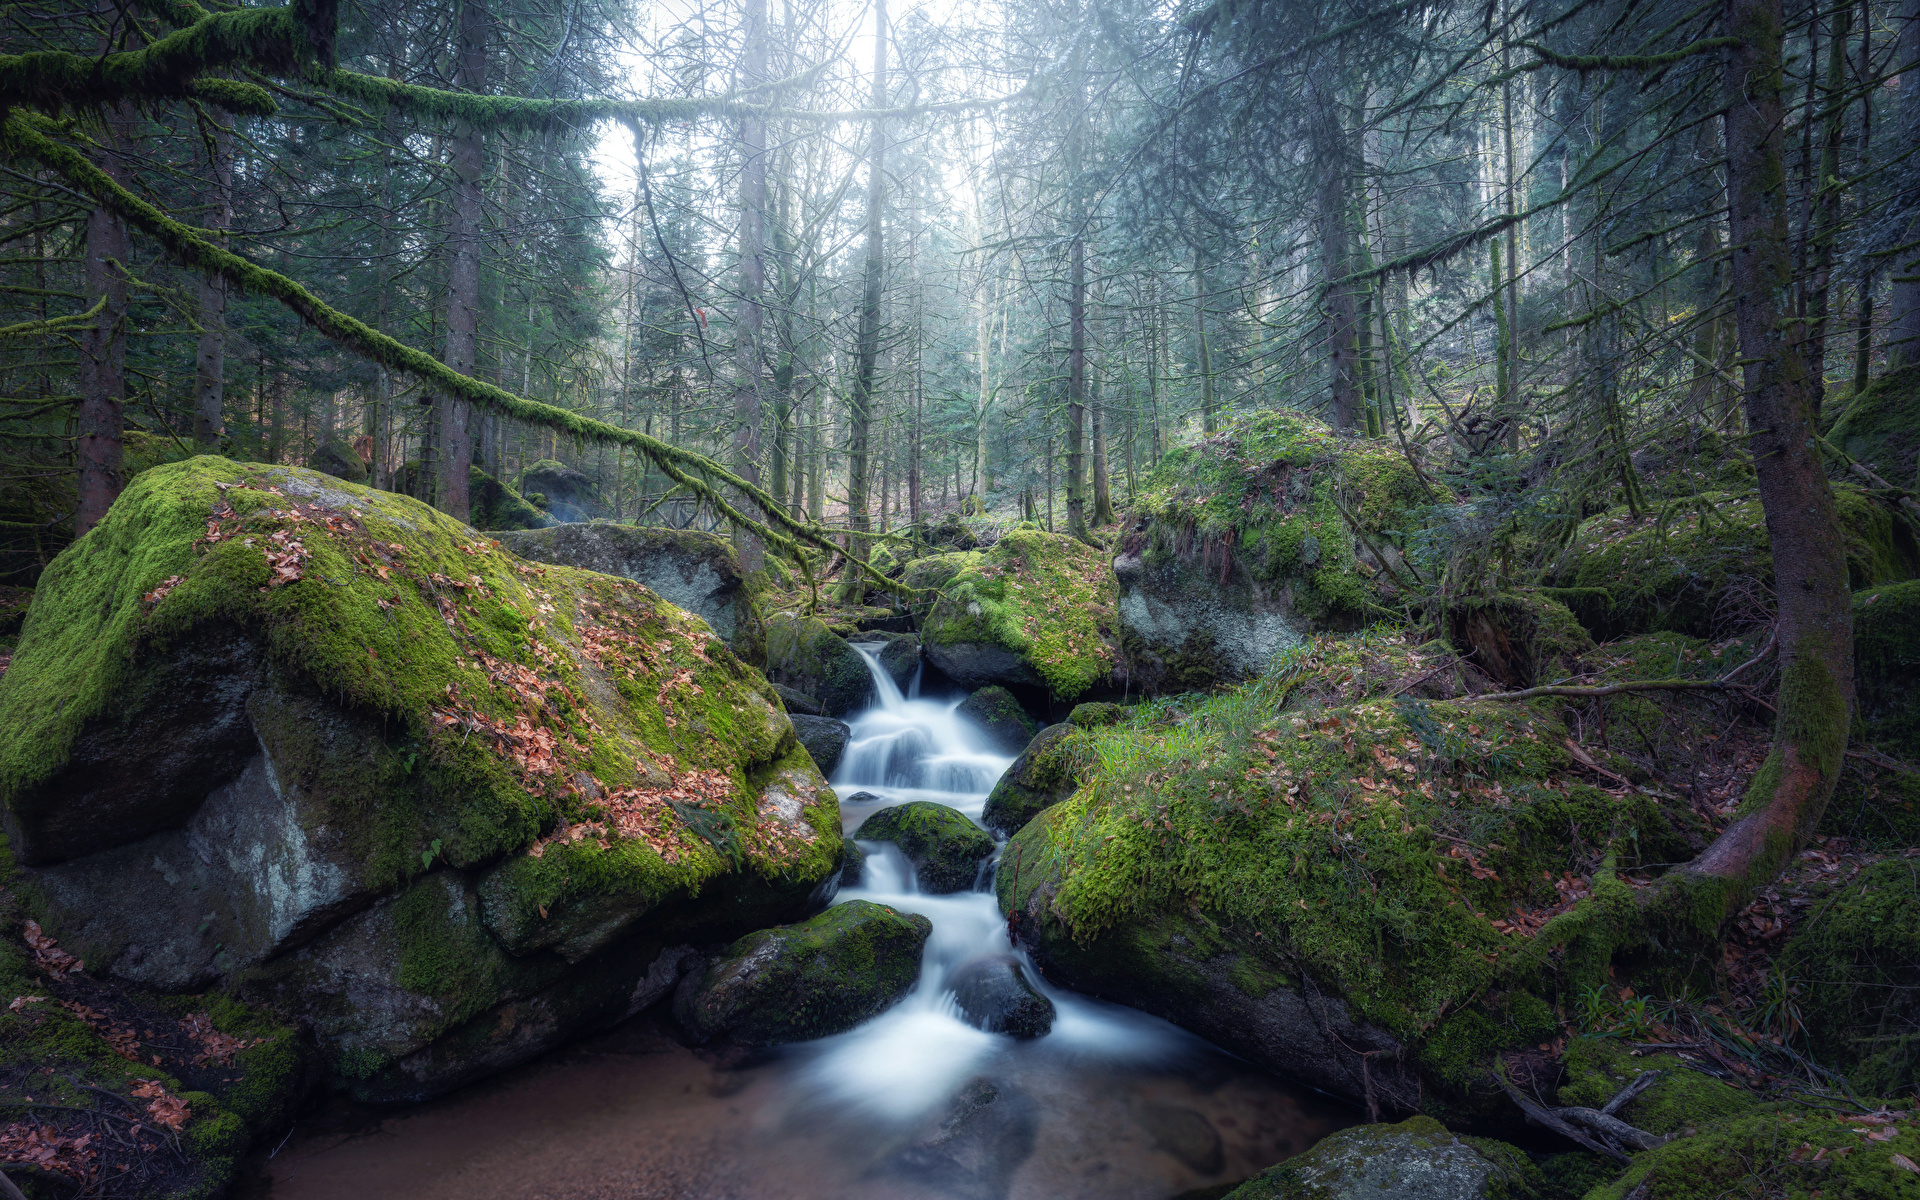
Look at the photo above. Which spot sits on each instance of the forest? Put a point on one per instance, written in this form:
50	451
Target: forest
888	601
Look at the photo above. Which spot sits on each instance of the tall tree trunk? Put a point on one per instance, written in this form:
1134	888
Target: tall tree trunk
867	345
1342	305
210	355
1903	315
467	155
753	278
1815	626
1826	211
1076	384
103	346
1202	353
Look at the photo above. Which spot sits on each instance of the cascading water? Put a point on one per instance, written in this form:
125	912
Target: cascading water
915	1104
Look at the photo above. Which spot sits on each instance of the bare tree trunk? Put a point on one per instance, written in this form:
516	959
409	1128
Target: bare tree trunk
867	349
1342	306
467	157
753	278
1076	385
1826	212
1903	317
1815	627
103	347
1203	356
210	355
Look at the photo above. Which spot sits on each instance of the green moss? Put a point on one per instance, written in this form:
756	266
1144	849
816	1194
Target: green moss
1881	426
1682	1099
1777	1150
1856	961
1045	597
804	653
1417	1159
1044	774
945	848
1886	655
494	505
1093	716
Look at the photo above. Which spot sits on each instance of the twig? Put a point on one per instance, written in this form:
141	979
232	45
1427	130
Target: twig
1612	689
1547	1118
1627	1094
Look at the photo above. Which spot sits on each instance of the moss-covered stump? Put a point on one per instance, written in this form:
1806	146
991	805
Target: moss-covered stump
271	732
697	571
568	494
1519	639
1237	547
807	656
1366	896
945	848
1035	610
1006	725
1706	568
1886	672
495	506
1043	775
805	981
1418	1159
993	994
825	739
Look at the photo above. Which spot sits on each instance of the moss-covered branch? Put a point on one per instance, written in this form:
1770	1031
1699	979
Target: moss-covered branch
1628	62
696	472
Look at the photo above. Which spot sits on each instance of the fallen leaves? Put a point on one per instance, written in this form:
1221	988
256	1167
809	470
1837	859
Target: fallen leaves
34	1145
216	1048
47	954
164	1108
160	593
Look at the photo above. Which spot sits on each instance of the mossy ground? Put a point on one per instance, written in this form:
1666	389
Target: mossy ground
1043	596
1886	652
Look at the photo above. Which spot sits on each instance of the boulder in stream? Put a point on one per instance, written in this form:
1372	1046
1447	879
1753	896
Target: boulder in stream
987	1132
1000	716
824	738
275	735
993	994
945	848
899	654
1418	1159
811	980
1043	775
803	654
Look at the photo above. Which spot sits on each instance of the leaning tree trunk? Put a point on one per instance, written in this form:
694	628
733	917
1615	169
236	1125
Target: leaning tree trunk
463	268
103	346
1815	630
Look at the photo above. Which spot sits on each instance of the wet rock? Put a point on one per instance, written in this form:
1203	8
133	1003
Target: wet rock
798	702
824	738
810	980
901	656
1414	1160
945	848
697	571
993	994
987	1133
1000	716
1185	1135
1042	776
852	864
570	495
802	653
862	798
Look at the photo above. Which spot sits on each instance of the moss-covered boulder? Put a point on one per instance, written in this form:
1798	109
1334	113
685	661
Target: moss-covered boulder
697	571
1094	715
568	494
945	848
807	656
805	981
1881	427
495	506
1043	775
339	459
1035	610
824	738
1519	639
1237	547
993	994
270	732
899	655
1418	1159
1006	725
1886	672
1356	893
1707	567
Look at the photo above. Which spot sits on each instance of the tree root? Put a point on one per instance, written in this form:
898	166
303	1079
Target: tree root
1596	1129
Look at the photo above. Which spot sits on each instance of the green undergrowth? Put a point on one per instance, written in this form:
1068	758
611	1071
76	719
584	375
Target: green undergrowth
1043	596
513	696
1267	494
1703	565
1369	843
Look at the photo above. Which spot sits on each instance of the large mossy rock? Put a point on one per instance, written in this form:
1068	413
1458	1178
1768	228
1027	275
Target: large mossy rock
324	745
1881	427
1418	1159
568	494
810	980
1035	610
1886	672
1042	776
1316	888
824	737
945	848
1708	569
1006	725
339	459
495	506
1237	547
807	656
697	571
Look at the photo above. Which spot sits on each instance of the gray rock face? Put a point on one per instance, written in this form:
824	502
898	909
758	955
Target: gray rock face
797	701
695	571
569	494
974	665
945	848
900	659
824	738
1041	777
805	981
1414	1160
1183	628
993	994
1001	718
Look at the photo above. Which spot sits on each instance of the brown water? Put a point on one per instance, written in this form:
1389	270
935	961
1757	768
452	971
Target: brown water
633	1115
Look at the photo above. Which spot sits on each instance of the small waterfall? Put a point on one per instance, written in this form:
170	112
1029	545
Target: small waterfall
906	748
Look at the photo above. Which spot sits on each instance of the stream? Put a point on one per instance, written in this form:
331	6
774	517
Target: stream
915	1103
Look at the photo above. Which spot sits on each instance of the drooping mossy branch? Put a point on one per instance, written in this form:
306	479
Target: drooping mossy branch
52	324
696	472
1627	62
